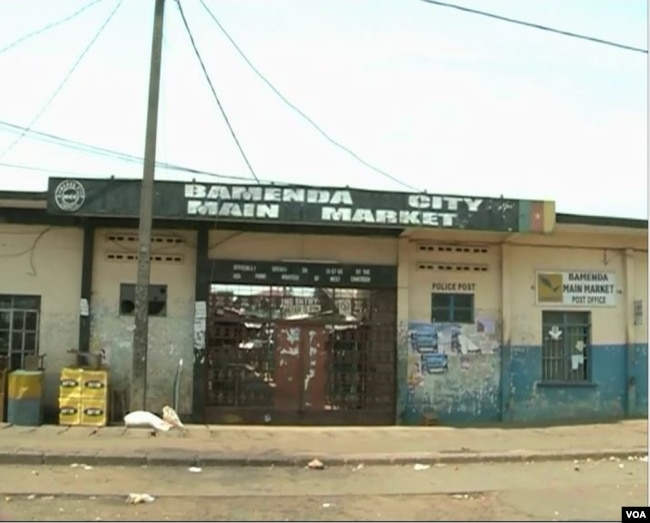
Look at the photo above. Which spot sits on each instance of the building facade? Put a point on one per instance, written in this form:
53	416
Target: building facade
334	306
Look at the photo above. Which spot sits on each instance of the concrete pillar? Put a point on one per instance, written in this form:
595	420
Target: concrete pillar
404	264
506	331
630	333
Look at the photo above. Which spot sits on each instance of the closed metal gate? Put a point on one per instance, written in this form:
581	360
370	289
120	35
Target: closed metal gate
300	355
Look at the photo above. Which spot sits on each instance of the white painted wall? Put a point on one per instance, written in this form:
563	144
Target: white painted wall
426	270
46	261
170	337
641	293
570	251
274	247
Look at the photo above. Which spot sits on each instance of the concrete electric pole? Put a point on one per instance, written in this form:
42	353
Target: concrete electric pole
138	395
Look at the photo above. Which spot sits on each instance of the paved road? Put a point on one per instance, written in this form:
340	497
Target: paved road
591	490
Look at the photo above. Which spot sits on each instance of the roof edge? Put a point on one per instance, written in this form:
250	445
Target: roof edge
601	221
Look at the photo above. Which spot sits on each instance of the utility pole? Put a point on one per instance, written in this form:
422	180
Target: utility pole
138	396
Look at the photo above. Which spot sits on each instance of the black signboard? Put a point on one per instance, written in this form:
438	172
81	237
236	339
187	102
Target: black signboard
266	204
297	274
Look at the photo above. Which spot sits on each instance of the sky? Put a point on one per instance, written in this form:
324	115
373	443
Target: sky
442	100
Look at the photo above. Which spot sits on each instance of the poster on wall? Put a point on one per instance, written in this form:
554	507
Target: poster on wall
432	344
576	289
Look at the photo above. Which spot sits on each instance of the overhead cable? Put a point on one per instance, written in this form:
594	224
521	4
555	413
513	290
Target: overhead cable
536	26
161	166
299	111
47	27
214	92
65	79
108	153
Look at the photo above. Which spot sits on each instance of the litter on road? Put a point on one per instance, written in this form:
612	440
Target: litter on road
315	464
137	498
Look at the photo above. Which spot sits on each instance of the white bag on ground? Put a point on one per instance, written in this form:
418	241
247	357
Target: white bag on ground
142	418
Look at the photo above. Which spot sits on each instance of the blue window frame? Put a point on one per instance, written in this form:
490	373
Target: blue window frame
452	308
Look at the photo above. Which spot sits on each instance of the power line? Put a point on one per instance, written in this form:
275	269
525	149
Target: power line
537	26
162	166
65	79
214	92
47	27
297	110
109	153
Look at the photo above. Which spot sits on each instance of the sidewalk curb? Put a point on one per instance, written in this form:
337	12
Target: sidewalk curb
167	457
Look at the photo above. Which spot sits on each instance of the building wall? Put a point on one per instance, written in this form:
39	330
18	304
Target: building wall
273	247
46	261
468	390
525	398
170	336
506	383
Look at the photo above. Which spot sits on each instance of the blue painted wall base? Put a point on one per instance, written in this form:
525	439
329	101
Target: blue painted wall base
507	387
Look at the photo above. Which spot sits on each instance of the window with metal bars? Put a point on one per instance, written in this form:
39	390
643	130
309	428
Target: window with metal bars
452	308
19	326
566	345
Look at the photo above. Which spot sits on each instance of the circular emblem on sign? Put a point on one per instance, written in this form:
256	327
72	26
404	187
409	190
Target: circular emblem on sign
69	195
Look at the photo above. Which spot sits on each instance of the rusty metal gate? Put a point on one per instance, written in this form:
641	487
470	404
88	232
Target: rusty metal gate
300	355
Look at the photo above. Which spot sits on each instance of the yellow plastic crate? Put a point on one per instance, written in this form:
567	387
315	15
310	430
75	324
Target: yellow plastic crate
70	411
70	383
93	413
94	384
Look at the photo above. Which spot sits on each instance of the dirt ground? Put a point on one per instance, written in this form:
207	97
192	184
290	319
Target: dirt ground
590	490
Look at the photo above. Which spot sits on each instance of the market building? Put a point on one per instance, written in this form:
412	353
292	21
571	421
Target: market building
309	305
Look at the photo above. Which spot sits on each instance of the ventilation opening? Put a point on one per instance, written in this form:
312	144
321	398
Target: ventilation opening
156	239
157	305
451	267
467	249
130	257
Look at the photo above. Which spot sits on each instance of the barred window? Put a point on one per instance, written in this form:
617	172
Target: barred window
566	344
19	328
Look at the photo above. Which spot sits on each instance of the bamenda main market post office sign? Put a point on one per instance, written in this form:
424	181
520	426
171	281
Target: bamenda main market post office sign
578	289
295	205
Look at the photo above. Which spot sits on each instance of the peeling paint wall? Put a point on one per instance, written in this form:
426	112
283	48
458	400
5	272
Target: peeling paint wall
449	373
170	336
46	261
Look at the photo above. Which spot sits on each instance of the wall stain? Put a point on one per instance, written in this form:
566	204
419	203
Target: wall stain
170	339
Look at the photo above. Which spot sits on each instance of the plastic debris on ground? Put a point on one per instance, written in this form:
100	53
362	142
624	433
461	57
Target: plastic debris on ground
420	466
315	464
141	418
171	417
195	469
137	498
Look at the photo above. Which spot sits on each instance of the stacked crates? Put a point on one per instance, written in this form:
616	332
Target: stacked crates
83	397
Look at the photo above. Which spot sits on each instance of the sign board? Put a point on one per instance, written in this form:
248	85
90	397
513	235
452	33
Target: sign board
297	274
577	289
300	205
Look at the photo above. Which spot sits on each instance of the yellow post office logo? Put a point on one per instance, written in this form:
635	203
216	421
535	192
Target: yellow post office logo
549	288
